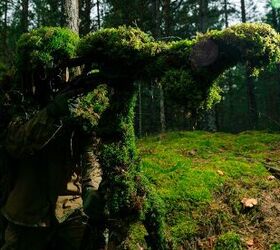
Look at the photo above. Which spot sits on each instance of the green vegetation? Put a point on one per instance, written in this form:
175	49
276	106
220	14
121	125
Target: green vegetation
229	241
88	109
112	53
120	50
275	246
187	73
202	177
45	47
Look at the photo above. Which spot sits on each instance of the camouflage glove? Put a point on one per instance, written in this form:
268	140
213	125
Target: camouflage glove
93	204
59	106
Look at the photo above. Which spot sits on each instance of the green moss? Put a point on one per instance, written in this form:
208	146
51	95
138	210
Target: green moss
119	50
88	109
180	87
275	246
136	239
183	231
45	47
229	241
258	43
182	168
3	70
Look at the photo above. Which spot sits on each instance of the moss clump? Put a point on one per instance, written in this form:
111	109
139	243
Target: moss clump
3	71
45	48
87	110
275	246
257	43
229	241
185	68
180	87
189	68
136	239
119	50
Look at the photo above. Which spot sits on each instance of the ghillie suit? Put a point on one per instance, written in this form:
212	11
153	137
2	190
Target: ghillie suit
54	153
187	69
10	104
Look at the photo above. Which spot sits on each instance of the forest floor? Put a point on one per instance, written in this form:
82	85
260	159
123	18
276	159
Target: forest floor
217	192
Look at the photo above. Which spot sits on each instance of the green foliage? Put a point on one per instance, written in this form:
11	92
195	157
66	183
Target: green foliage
118	157
214	96
3	71
126	12
193	86
119	50
229	241
257	43
125	55
45	48
130	50
180	87
275	4
153	214
137	233
275	246
88	109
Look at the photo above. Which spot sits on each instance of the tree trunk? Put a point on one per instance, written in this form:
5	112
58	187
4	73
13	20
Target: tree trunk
274	19
72	14
5	46
226	12
98	14
24	15
88	7
62	17
85	16
243	12
162	109
153	111
203	15
5	21
156	8
230	99
167	17
167	32
140	109
278	80
252	103
210	115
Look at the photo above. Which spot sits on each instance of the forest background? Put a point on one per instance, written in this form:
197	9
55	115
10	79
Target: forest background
246	102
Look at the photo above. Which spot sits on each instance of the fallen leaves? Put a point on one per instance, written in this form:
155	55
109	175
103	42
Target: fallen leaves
250	243
249	202
192	152
271	178
221	173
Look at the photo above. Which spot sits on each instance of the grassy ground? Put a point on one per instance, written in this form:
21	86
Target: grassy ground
203	177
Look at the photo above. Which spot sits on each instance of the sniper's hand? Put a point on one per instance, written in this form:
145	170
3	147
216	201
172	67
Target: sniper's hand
93	204
59	107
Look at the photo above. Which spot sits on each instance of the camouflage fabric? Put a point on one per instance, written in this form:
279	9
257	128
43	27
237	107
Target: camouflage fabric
53	163
68	235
